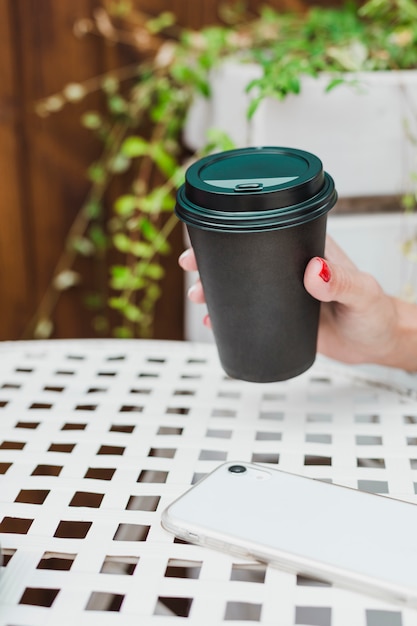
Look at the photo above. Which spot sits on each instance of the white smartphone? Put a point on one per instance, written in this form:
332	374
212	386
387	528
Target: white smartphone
357	540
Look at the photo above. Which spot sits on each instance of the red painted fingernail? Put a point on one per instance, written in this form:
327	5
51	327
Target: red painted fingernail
324	273
206	321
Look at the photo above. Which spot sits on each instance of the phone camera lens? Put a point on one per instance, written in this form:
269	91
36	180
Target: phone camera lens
237	469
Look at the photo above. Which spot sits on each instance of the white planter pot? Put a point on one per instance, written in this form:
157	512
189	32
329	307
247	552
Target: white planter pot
357	130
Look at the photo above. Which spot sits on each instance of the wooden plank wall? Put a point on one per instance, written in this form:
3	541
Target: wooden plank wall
43	161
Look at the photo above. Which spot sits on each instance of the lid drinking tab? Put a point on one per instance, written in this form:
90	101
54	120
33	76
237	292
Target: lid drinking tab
249	187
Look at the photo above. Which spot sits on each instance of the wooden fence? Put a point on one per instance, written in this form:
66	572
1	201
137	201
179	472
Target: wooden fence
43	161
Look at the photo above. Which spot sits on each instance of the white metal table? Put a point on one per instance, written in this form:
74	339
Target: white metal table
97	437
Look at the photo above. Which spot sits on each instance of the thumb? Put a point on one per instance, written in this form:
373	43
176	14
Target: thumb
332	282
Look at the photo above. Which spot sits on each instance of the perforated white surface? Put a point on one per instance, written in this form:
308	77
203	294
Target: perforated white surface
97	437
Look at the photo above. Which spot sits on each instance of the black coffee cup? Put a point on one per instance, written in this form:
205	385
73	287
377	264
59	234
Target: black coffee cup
255	217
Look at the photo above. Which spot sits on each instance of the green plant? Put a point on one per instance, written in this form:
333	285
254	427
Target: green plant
379	36
139	128
145	106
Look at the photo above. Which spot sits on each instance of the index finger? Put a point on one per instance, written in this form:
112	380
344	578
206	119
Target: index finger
187	261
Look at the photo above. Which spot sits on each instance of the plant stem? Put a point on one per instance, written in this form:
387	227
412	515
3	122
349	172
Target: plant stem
78	228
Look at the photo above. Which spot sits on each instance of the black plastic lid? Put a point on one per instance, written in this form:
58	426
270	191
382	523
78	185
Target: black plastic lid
255	188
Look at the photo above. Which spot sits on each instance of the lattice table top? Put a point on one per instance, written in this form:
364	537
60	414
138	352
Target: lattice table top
97	437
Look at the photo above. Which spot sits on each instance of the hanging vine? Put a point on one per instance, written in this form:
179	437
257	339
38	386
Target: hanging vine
140	127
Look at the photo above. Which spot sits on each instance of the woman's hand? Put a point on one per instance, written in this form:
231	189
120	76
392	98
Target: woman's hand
359	322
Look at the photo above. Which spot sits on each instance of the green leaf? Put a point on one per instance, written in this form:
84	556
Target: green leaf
92	209
141	249
409	202
120	271
100	324
117	303
126	205
119	164
132	313
154	271
253	106
117	104
148	306
220	140
181	72
161	245
91	120
148	230
166	163
335	82
122	242
94	301
110	84
153	292
122	277
83	246
158	200
135	147
178	177
164	20
193	77
96	173
98	237
122	332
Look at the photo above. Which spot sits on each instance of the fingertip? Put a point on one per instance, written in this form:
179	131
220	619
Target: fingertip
187	260
196	293
317	278
192	292
207	321
183	259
